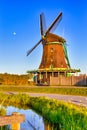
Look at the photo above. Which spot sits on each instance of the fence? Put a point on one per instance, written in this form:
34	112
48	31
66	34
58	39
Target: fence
15	119
73	80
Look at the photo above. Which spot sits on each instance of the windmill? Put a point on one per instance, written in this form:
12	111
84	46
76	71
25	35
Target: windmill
54	47
54	63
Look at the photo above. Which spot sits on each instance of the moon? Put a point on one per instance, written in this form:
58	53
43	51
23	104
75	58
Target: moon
14	33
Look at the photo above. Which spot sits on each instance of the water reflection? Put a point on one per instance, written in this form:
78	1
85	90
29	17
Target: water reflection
4	128
33	121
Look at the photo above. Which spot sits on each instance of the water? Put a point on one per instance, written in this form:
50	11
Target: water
33	121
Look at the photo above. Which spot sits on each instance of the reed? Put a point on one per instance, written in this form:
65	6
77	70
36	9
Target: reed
68	116
2	111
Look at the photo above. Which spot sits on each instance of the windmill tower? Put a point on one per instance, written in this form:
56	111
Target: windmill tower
54	58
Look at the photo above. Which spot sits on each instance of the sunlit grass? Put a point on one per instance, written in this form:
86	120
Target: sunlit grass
40	89
2	111
68	116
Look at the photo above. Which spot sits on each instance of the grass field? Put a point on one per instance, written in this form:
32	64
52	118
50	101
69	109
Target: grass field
46	89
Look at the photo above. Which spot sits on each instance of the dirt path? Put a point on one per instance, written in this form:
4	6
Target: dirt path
79	100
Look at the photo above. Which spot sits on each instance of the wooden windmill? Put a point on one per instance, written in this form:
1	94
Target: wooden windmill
54	47
54	62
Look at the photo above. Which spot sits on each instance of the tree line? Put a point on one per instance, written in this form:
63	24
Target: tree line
13	79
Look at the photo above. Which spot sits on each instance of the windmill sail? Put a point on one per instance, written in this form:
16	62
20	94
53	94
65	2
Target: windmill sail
44	32
54	23
42	24
34	47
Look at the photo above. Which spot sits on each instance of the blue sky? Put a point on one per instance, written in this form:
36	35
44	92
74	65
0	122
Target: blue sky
22	17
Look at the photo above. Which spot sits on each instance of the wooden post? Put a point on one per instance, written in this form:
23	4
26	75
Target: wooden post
52	74
47	127
46	74
15	119
16	126
65	74
40	77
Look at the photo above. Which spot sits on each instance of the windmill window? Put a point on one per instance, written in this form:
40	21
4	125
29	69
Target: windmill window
51	49
51	60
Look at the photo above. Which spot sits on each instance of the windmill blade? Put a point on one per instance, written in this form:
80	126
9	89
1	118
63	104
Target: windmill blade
28	53
55	22
55	25
42	24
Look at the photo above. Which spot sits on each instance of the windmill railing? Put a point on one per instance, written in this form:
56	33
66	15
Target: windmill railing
55	70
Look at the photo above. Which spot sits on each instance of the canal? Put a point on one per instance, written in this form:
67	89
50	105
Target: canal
33	121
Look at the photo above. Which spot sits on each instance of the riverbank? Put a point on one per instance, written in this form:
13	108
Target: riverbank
66	115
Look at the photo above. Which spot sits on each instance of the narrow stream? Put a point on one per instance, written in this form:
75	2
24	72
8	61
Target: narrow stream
33	121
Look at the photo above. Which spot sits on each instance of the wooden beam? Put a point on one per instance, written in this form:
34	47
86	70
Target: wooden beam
11	119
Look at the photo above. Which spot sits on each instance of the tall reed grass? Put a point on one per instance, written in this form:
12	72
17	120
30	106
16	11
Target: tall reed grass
67	116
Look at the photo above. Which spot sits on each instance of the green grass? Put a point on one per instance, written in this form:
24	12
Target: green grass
2	111
66	115
40	89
